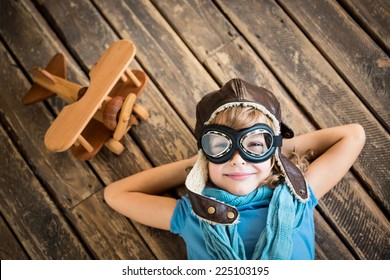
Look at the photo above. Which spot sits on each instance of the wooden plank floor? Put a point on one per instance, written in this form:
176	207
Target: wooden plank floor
327	61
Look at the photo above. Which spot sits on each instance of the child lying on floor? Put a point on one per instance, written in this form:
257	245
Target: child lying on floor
246	199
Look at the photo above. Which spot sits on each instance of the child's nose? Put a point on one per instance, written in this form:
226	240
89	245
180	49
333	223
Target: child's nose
237	159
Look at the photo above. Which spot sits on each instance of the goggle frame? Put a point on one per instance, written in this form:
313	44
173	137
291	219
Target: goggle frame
235	139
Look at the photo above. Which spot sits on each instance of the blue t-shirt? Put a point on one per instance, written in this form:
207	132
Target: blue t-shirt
251	223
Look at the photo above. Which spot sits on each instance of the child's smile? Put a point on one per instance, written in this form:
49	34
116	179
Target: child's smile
238	176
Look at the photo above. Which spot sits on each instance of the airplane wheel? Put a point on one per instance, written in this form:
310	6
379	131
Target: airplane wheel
141	112
115	146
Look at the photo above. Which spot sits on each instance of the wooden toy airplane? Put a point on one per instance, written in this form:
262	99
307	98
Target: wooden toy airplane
100	114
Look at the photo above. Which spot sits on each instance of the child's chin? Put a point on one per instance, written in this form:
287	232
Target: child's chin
241	192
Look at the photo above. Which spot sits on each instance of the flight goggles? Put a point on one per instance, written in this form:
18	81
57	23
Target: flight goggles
254	144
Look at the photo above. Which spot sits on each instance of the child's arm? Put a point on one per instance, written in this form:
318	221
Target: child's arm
137	196
335	150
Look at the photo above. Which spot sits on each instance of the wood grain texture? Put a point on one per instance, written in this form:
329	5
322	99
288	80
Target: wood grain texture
350	50
357	218
35	219
181	78
37	124
10	248
328	244
374	16
190	20
109	234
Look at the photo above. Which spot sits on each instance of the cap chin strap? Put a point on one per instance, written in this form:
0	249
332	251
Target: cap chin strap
294	178
206	208
213	211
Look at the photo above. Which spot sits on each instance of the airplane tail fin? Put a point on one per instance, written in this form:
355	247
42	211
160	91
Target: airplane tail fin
57	67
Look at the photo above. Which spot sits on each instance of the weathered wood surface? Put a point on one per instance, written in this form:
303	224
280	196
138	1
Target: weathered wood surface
323	76
33	216
10	249
374	16
358	59
35	128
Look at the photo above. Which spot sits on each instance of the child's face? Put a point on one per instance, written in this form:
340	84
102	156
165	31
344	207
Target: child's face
238	176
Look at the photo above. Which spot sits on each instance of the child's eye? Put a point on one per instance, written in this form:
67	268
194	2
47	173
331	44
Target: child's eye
255	147
218	147
255	144
215	144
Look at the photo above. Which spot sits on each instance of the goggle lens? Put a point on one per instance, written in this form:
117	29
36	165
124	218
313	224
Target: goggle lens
257	143
216	144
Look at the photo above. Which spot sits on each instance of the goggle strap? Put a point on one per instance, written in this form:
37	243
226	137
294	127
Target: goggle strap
278	139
